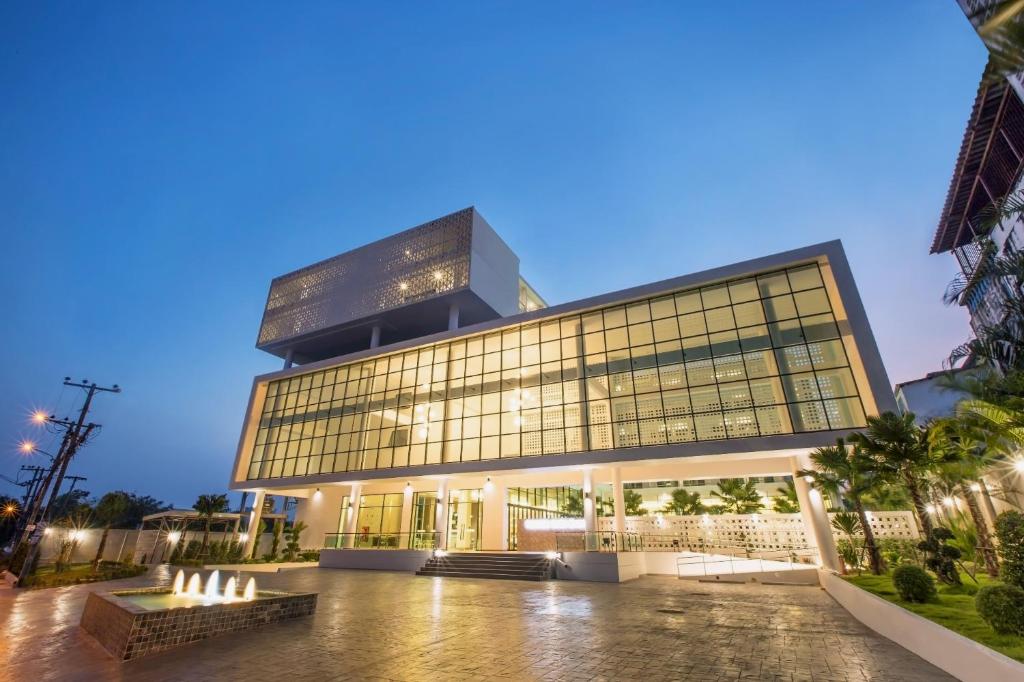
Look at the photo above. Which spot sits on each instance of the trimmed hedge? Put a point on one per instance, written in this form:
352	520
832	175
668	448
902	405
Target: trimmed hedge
1002	607
1010	531
913	583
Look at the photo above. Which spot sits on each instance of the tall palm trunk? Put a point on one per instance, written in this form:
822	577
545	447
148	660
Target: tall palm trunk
99	550
874	556
206	537
986	498
984	539
918	500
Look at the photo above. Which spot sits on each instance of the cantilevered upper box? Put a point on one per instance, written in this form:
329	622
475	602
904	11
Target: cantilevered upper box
455	269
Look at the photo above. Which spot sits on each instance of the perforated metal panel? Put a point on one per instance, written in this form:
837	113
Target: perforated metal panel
421	263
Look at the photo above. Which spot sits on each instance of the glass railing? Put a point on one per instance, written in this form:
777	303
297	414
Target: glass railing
598	541
420	539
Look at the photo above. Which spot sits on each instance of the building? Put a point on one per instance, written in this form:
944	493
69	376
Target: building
410	426
988	168
933	396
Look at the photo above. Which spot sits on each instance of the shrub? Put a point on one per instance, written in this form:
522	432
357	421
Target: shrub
1002	607
913	583
309	555
1010	531
941	557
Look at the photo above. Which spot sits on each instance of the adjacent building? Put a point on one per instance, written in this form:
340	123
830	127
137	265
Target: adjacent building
988	169
439	400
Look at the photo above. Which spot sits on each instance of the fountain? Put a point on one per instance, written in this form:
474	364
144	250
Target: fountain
230	592
133	623
193	592
212	583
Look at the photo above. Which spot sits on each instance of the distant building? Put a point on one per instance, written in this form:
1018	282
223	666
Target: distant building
929	397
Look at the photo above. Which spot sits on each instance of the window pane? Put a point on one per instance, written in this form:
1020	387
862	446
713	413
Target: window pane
806	277
836	383
845	413
808	417
812	302
820	328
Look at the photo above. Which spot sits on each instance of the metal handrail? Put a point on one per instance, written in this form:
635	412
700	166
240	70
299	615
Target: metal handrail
419	539
598	541
790	557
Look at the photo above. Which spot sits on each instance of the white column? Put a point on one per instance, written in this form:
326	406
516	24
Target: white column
253	527
815	516
495	535
289	358
406	521
375	336
441	514
353	514
619	497
453	316
589	506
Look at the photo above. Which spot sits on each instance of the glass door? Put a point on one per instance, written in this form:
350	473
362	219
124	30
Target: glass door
424	521
464	514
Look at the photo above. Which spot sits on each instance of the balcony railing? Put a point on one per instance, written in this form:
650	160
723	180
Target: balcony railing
414	540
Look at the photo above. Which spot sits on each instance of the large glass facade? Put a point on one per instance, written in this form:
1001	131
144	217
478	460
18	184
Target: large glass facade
751	357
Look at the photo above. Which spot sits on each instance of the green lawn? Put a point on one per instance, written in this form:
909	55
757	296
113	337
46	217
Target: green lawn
953	608
81	573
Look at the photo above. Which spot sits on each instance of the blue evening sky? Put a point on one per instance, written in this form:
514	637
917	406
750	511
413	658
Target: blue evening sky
161	162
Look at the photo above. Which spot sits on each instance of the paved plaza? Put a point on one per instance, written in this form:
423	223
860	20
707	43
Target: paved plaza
396	626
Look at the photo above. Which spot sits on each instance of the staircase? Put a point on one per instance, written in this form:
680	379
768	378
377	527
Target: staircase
501	566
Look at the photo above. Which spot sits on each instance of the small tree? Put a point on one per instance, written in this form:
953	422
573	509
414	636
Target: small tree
208	506
1010	531
786	502
738	496
839	469
684	503
108	511
634	502
940	557
292	547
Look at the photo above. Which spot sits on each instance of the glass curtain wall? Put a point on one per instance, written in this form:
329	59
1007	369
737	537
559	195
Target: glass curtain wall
751	357
379	520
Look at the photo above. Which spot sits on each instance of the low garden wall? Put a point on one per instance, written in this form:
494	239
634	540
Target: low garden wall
954	653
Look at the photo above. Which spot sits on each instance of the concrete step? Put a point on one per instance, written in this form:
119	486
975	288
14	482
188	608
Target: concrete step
491	575
500	566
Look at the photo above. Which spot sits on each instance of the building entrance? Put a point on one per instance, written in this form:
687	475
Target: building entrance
464	515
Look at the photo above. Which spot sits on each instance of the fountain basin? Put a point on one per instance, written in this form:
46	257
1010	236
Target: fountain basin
134	623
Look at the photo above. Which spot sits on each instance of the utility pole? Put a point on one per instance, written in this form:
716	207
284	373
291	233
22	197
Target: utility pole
32	484
75	435
74	480
91	389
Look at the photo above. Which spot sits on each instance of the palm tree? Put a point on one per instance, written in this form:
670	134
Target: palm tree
207	506
684	503
999	344
738	496
633	501
787	501
900	449
966	447
109	510
1003	34
848	472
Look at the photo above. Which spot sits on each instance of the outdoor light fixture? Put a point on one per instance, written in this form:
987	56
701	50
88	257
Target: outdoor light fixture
1019	465
948	501
930	508
39	417
27	446
438	275
408	486
809	478
243	537
975	488
488	486
440	553
552	555
403	285
317	495
174	536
